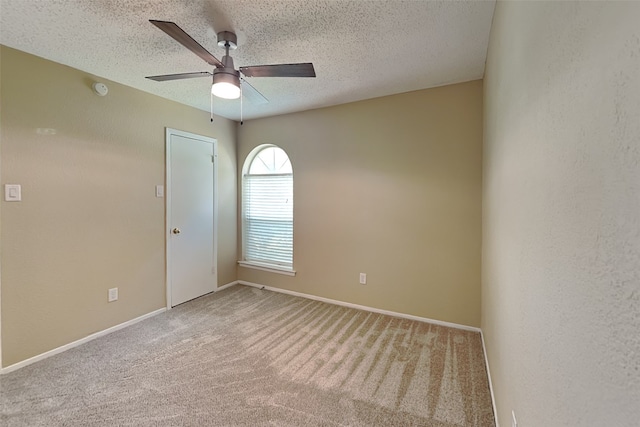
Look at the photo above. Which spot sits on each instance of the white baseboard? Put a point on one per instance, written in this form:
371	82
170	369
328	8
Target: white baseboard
363	307
73	344
228	285
493	398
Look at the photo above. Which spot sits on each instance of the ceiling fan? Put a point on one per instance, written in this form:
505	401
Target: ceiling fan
228	82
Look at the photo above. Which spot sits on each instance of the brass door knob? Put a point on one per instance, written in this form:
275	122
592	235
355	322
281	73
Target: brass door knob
176	231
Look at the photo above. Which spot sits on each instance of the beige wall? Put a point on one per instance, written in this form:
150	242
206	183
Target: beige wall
561	219
89	219
390	187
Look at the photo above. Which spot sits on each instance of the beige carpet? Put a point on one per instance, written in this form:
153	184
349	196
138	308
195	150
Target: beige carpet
250	357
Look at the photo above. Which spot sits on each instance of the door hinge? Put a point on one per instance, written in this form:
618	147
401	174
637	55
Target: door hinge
213	158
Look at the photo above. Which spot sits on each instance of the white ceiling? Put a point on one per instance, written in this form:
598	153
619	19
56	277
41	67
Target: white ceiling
360	49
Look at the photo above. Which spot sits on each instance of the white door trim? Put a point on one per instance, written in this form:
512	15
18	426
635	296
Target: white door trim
167	226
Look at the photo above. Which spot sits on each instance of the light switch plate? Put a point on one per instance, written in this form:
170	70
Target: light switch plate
12	192
159	190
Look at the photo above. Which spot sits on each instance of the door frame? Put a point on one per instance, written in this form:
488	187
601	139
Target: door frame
169	132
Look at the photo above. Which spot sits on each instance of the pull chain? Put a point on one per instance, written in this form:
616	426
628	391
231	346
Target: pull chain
211	106
241	121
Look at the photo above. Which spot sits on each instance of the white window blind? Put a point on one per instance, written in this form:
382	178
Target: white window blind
268	215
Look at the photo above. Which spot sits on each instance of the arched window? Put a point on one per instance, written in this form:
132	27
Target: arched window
267	202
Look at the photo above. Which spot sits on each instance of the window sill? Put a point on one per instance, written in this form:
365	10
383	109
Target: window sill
267	267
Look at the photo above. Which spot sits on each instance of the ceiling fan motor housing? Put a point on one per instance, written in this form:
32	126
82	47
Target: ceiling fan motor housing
219	74
228	73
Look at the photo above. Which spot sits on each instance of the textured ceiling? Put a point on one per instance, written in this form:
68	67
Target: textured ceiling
360	49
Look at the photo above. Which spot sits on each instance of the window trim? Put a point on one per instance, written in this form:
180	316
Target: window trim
243	262
272	268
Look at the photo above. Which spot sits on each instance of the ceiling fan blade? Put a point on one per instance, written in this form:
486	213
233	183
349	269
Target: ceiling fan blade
280	70
180	76
187	41
252	94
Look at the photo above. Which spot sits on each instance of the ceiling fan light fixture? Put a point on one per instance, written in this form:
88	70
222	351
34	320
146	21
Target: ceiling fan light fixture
226	84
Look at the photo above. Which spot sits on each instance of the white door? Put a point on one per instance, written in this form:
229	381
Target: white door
191	260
